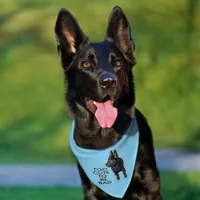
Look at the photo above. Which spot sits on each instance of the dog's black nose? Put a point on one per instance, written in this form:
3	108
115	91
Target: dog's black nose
108	81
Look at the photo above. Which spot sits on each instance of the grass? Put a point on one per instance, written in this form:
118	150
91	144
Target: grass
174	186
34	124
41	194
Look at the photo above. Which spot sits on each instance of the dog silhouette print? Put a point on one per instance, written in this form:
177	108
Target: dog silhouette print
116	163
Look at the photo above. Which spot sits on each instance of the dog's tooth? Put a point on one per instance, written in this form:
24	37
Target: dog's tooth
94	102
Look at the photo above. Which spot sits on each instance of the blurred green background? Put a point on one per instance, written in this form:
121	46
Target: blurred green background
34	123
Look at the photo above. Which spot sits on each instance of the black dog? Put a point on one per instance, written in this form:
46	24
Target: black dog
116	163
101	97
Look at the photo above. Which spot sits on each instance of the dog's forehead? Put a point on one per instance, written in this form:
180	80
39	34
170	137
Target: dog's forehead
103	49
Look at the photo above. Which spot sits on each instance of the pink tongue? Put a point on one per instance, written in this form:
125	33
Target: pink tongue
106	114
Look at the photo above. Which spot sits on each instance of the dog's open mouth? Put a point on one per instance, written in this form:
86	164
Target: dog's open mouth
104	111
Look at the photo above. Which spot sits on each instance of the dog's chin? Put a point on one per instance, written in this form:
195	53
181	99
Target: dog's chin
104	111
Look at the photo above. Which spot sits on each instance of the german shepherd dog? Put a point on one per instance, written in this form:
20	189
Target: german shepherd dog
101	97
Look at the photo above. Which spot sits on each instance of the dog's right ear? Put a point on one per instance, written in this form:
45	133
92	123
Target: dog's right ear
69	36
111	154
115	154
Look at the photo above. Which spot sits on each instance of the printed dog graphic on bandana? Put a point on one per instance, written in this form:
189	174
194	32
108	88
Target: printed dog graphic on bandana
116	163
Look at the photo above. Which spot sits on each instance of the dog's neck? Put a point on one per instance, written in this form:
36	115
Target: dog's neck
89	135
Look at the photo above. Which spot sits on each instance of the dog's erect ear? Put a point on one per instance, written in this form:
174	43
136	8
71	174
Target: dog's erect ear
119	32
111	154
69	35
115	154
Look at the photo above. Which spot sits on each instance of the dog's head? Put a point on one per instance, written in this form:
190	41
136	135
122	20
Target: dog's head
112	159
98	75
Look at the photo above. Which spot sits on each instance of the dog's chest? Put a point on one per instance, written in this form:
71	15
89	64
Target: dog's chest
98	140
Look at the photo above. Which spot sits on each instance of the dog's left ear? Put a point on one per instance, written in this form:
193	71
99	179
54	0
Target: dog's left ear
119	31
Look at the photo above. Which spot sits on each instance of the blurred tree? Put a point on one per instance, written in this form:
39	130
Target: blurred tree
190	29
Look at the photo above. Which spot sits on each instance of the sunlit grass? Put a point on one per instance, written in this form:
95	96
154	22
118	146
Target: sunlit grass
174	186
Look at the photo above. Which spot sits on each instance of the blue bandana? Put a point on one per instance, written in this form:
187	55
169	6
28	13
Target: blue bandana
110	169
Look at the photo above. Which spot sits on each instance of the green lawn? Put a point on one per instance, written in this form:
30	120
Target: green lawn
34	123
174	186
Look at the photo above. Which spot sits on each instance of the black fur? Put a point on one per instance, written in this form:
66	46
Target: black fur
85	83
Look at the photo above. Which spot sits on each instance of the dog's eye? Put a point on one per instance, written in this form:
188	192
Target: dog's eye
118	63
85	64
